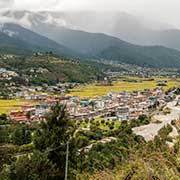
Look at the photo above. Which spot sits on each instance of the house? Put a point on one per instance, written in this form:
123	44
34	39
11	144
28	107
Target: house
42	109
84	103
51	101
99	104
123	113
20	119
134	115
72	108
22	115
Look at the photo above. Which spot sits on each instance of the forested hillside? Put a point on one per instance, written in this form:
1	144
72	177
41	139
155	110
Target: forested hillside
84	45
125	157
16	39
51	69
47	69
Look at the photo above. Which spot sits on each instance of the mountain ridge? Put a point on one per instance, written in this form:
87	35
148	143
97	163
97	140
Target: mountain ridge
32	41
85	45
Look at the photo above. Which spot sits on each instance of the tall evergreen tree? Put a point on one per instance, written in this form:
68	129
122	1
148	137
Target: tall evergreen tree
52	138
33	167
22	135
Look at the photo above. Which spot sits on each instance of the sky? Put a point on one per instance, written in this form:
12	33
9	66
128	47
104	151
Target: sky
166	11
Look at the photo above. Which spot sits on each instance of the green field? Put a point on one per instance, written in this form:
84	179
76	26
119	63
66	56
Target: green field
103	126
93	90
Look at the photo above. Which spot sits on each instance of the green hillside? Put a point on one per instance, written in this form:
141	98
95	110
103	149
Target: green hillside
18	40
97	45
84	45
51	70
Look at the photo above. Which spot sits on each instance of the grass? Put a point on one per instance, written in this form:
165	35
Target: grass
92	90
9	105
101	125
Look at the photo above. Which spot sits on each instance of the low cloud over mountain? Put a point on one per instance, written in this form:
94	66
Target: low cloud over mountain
6	3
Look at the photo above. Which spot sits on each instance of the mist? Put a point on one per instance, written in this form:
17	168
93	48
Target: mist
136	21
165	11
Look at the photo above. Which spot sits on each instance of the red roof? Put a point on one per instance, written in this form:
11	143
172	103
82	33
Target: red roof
50	100
20	118
134	115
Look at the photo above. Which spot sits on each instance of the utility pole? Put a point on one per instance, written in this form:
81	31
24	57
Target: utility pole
67	158
67	155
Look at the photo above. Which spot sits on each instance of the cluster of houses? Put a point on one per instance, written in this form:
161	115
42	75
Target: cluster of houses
7	56
7	75
117	106
30	113
43	92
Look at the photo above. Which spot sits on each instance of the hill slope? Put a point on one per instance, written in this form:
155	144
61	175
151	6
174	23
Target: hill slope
97	45
88	45
13	45
49	69
16	39
122	25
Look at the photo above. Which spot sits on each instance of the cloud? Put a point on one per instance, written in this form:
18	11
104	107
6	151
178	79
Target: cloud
6	3
166	11
35	4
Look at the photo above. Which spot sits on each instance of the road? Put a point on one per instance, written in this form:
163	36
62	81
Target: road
151	130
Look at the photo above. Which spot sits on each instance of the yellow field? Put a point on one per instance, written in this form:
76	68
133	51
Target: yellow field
92	90
8	105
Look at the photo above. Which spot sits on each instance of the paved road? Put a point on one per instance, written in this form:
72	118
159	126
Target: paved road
151	130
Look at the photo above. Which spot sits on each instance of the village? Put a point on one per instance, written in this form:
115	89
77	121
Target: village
115	103
116	106
89	90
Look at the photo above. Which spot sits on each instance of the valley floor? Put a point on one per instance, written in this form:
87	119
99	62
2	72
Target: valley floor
93	90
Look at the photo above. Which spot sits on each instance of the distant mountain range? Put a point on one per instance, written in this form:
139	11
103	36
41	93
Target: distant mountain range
17	39
130	28
57	32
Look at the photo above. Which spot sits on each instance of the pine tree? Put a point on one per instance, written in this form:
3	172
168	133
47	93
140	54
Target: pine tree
52	138
22	135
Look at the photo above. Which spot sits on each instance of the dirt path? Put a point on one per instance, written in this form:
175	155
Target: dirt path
151	130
